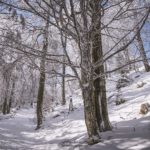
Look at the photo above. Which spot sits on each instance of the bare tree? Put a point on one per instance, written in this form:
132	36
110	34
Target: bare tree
85	22
64	44
140	44
42	77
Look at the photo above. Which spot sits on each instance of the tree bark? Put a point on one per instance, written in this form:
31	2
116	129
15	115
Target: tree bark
88	94
4	110
103	98
90	115
142	52
99	83
6	91
63	82
40	99
11	97
40	96
140	44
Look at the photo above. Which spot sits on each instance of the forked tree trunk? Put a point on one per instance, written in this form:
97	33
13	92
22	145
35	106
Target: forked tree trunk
88	97
99	83
88	94
96	95
90	115
93	90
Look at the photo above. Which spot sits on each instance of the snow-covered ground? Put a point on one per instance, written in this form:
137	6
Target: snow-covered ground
67	131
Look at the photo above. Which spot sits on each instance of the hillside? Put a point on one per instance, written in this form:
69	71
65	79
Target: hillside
66	130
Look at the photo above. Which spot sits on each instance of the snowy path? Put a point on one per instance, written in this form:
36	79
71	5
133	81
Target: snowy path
18	133
13	132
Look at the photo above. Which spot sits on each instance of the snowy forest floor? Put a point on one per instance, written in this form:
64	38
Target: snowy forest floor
67	131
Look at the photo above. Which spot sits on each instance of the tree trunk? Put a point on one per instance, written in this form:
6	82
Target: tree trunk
11	97
6	91
93	90
127	56
42	80
40	99
140	44
90	116
4	110
103	98
63	82
88	94
99	83
142	52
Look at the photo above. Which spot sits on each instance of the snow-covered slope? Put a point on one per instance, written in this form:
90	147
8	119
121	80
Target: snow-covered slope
65	130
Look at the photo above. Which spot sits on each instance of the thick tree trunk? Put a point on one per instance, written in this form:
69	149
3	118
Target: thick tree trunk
93	90
99	83
88	94
97	103
103	99
90	115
